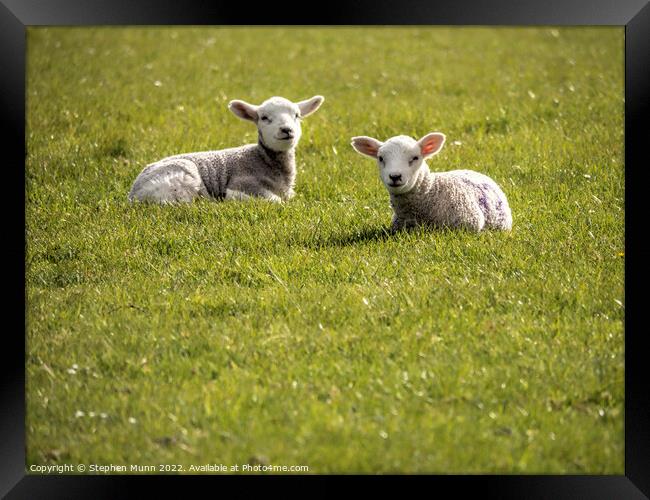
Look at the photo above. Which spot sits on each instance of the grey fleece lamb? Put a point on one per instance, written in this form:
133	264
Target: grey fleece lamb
266	169
459	198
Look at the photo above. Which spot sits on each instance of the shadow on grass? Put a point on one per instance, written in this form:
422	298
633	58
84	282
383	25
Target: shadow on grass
369	235
385	234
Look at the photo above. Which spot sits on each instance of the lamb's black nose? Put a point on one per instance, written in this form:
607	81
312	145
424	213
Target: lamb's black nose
286	130
395	177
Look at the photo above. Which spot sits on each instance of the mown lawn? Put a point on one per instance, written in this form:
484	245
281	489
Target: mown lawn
304	333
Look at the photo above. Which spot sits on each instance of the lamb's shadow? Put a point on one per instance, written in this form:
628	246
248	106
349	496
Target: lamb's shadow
376	234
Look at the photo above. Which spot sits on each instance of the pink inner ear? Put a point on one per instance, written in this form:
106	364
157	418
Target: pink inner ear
367	147
428	147
431	145
243	110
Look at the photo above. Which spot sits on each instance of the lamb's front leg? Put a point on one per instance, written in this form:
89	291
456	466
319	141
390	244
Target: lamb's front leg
399	224
247	190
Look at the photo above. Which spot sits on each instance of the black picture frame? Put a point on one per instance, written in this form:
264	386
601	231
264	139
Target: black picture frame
16	15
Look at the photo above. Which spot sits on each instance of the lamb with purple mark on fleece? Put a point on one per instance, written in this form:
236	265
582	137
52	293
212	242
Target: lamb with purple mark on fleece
266	169
458	198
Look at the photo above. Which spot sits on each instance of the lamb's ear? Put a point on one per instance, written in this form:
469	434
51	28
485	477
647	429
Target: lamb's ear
431	143
243	110
366	145
308	106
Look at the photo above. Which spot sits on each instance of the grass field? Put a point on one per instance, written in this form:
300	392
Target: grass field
304	333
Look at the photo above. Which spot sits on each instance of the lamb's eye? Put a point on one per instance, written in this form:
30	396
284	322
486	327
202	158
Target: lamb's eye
297	115
265	119
381	159
415	158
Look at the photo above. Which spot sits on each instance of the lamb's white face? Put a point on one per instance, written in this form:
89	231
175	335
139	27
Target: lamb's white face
277	119
399	158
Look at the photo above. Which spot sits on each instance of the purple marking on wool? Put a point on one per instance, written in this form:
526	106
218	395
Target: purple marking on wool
483	202
482	199
500	210
496	211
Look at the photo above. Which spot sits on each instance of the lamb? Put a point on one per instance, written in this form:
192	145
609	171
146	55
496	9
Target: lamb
458	198
266	169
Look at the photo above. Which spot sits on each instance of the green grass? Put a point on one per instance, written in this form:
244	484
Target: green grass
304	333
